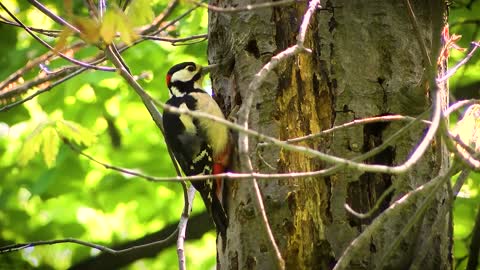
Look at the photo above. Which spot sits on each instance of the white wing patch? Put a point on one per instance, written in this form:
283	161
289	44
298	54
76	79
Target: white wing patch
187	121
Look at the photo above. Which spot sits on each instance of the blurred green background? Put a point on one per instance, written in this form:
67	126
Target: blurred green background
75	197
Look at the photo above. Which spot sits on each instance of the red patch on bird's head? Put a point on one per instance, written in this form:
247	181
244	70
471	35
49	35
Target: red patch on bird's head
169	77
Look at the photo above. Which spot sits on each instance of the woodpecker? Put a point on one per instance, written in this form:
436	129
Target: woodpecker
200	146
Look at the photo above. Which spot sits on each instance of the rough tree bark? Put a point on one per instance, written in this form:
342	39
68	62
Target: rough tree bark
365	61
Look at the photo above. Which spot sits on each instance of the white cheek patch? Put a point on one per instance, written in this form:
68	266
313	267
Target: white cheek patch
174	92
182	75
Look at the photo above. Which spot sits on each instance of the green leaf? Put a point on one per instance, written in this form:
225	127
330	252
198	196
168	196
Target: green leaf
127	34
50	144
75	132
32	144
108	29
116	21
140	12
89	29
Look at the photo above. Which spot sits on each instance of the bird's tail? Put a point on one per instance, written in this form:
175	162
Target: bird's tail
218	214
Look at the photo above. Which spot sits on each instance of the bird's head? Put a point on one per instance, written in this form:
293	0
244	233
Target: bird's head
183	78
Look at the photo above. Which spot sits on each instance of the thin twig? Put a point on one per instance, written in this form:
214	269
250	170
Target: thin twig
459	104
43	90
425	247
363	121
273	176
53	16
460	181
77	62
247	7
17	247
452	71
174	41
418	34
39	80
174	21
374	208
157	21
34	63
115	57
419	212
410	198
47	32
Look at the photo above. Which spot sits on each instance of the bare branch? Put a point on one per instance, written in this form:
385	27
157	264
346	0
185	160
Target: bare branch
117	60
174	41
430	188
53	16
17	91
43	90
460	181
474	46
459	104
17	247
374	209
423	250
47	32
462	151
420	211
182	225
174	21
157	21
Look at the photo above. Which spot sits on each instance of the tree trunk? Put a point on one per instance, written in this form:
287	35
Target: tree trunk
366	61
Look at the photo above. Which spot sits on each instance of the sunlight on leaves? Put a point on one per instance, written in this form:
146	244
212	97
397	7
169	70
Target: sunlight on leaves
89	29
47	136
62	39
50	145
32	144
75	132
86	93
108	27
116	21
140	12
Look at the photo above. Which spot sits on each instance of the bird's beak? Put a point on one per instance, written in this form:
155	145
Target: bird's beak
207	69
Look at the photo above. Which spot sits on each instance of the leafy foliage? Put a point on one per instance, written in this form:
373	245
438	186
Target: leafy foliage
49	191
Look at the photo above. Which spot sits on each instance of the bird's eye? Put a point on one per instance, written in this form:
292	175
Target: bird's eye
191	68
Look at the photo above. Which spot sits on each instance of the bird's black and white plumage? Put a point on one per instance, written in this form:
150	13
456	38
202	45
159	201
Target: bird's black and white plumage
200	146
